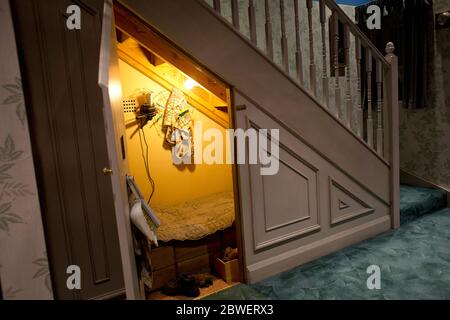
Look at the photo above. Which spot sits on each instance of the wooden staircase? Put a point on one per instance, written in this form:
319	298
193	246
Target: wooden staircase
338	139
311	71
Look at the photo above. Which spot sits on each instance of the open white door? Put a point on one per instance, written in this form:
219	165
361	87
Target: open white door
109	81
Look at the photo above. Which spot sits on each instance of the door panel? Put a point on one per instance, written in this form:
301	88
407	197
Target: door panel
110	83
311	207
64	104
285	204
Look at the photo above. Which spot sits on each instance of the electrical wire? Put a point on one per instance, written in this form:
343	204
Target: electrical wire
145	157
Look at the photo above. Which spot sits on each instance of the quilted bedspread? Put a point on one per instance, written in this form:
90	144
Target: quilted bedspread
193	220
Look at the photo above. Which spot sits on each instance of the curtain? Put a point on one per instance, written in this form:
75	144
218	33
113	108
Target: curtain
409	25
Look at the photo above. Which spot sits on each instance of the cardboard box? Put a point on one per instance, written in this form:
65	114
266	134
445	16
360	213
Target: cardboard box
228	271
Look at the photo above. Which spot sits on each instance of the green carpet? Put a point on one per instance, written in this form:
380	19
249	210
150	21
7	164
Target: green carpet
415	202
414	262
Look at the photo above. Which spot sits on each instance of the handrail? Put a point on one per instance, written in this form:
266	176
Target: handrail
332	5
340	89
378	128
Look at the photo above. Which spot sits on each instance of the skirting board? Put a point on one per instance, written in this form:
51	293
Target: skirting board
317	249
413	180
113	295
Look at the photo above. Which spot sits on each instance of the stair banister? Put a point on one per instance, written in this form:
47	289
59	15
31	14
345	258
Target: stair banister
374	127
284	43
252	22
337	90
392	131
348	94
325	82
268	29
298	48
216	6
365	42
369	97
235	14
312	64
379	80
359	111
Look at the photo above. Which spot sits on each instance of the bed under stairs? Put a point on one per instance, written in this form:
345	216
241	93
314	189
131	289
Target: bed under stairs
338	182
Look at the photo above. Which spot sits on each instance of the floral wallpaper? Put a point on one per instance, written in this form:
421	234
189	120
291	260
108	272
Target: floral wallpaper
24	271
425	133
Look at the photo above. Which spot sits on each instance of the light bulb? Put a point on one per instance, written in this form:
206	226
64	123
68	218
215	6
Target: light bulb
190	84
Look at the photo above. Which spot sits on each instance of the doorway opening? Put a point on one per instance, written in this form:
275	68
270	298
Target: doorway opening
165	95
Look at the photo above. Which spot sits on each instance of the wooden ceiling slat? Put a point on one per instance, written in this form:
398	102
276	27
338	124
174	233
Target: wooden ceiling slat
131	25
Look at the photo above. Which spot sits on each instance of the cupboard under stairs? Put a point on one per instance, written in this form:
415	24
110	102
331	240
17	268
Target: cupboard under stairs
338	181
302	67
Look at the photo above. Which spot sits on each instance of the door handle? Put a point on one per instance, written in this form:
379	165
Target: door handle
107	171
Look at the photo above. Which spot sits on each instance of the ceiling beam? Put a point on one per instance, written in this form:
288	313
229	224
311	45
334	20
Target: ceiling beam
133	26
136	61
151	57
120	36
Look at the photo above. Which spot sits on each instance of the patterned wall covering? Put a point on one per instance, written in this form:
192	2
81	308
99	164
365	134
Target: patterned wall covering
425	133
24	271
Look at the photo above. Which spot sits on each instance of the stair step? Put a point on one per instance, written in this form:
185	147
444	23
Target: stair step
417	201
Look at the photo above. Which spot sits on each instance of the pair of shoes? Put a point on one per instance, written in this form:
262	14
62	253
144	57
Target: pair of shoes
204	280
184	285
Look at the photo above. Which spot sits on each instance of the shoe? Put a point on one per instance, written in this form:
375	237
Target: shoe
184	285
204	280
170	288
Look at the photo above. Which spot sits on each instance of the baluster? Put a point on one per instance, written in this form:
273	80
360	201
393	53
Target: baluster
337	90
312	66
235	13
325	83
252	21
369	97
284	46
379	108
298	49
269	41
359	111
348	97
217	6
392	133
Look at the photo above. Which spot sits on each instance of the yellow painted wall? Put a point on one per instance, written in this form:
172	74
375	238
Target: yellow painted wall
173	183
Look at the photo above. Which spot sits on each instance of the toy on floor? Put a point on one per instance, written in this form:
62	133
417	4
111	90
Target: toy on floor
230	254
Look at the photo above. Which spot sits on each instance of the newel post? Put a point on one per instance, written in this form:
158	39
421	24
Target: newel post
392	109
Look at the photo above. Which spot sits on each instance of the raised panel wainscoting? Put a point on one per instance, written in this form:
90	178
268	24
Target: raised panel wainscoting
311	207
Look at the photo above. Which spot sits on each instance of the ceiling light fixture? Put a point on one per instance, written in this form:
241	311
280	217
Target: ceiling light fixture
190	84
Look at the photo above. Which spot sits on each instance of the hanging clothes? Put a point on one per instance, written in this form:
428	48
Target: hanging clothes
410	26
182	149
177	123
